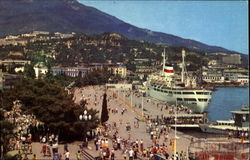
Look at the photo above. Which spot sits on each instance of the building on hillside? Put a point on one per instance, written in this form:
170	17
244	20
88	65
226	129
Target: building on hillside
19	69
236	71
64	35
213	77
143	71
212	63
115	68
237	76
70	71
218	54
8	80
35	33
145	67
15	53
232	59
11	37
40	69
118	69
10	62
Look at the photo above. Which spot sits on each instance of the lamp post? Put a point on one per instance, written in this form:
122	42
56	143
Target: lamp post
131	98
175	120
85	117
142	106
175	128
175	137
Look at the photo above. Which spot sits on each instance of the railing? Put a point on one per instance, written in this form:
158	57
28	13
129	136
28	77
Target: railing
219	150
86	155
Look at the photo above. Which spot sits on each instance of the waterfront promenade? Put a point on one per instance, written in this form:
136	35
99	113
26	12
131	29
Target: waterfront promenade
123	115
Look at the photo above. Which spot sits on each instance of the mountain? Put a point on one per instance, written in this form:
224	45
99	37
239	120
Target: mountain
24	16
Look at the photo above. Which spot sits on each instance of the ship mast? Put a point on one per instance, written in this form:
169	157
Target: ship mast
164	61
183	65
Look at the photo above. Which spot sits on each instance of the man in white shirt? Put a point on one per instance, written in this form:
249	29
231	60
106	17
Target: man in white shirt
67	154
131	154
119	142
44	140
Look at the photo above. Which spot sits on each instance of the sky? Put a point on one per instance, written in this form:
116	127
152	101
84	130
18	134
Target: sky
219	23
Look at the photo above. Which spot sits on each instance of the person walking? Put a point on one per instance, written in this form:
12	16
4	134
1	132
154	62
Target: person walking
112	157
78	155
65	147
56	156
34	157
141	145
48	150
67	154
131	154
44	147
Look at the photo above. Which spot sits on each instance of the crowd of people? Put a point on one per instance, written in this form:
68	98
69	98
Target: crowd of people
109	141
22	138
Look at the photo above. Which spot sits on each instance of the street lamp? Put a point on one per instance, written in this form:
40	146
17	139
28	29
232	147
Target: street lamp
142	106
174	148
131	98
84	118
175	128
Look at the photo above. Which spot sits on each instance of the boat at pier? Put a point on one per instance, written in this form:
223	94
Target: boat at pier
239	123
181	89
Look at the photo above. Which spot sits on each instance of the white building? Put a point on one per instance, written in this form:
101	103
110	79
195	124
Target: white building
232	59
120	70
19	69
40	69
213	77
212	63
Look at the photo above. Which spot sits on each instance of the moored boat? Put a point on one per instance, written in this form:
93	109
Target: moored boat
240	123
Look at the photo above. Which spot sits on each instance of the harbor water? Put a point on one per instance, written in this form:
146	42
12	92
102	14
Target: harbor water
225	100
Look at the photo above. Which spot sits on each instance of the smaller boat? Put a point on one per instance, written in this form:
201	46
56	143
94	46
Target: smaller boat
240	122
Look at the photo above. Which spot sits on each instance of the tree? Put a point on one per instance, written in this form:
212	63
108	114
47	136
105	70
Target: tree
29	71
6	132
104	115
52	105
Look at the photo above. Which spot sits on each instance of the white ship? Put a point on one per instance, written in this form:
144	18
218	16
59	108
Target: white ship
181	89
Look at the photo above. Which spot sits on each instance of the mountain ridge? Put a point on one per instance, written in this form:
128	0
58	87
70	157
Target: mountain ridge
23	16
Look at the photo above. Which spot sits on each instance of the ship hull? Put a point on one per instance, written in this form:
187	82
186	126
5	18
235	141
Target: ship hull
195	106
209	129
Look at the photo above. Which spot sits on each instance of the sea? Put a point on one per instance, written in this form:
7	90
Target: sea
225	100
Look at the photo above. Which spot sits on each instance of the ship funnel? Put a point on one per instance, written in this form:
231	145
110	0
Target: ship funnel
168	70
183	65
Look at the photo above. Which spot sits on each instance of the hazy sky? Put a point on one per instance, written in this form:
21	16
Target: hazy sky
220	23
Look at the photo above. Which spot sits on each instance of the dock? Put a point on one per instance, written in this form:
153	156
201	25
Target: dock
185	121
185	126
184	115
